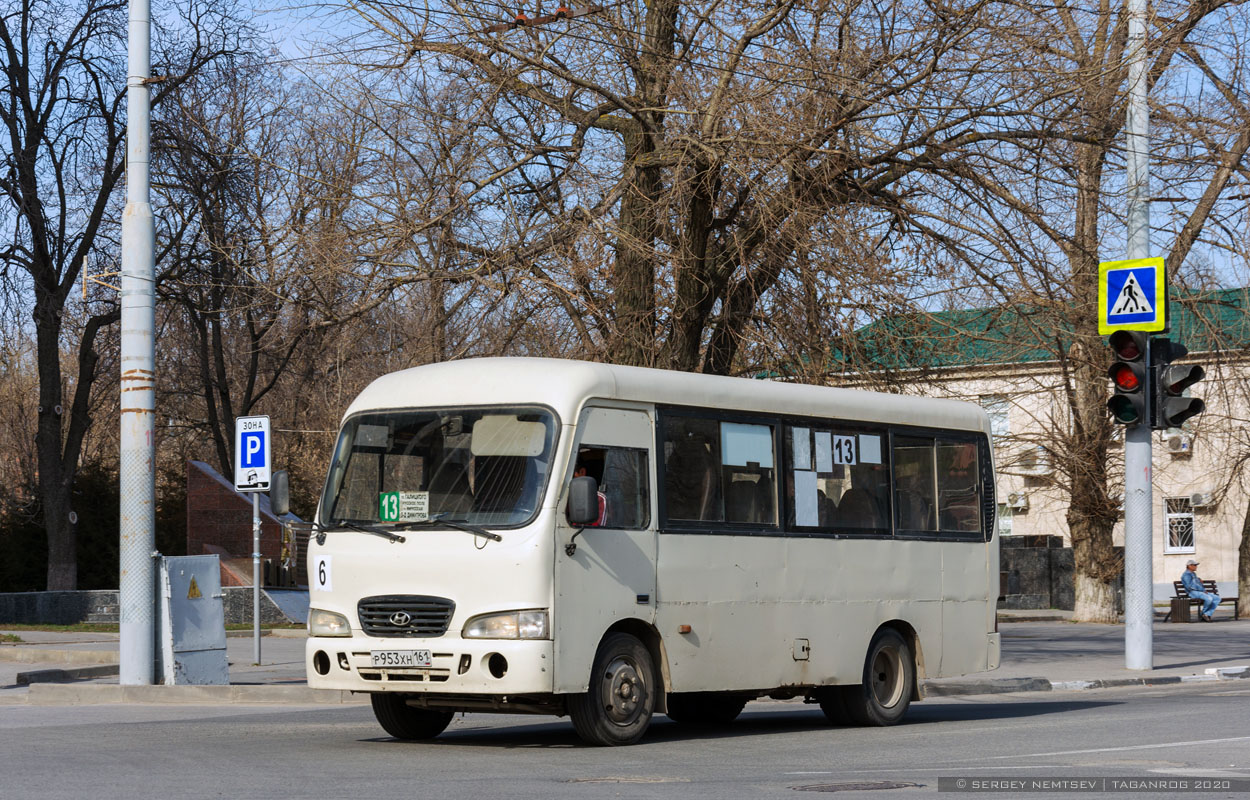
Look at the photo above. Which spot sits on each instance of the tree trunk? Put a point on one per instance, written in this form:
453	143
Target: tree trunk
1243	558
1095	601
1091	514
56	477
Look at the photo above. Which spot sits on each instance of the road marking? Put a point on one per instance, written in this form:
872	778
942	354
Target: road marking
1125	749
1202	773
947	769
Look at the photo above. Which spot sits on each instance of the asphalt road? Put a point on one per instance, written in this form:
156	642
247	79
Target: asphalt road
774	749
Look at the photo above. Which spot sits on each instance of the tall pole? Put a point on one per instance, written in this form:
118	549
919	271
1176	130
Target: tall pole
255	576
1138	508
138	370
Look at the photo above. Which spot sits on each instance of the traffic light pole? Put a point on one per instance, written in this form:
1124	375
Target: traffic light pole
1138	508
1138	555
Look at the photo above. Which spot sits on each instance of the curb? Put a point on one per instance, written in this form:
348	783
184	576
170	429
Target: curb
31	654
53	694
1009	619
65	675
986	686
1005	685
277	633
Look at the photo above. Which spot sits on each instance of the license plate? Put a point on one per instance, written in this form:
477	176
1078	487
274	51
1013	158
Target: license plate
401	658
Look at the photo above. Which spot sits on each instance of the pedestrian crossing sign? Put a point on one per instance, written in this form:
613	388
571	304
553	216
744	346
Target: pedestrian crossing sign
1132	296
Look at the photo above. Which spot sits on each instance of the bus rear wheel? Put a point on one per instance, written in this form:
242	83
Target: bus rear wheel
889	674
617	706
405	722
704	708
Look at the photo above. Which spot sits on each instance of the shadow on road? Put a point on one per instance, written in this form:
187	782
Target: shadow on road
558	733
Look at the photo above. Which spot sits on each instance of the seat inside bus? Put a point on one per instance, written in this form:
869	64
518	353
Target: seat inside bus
692	481
449	489
857	508
499	482
750	497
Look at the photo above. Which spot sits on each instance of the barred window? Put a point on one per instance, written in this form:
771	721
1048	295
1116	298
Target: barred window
1179	518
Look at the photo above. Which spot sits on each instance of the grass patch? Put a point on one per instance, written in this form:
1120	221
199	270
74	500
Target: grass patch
80	627
10	637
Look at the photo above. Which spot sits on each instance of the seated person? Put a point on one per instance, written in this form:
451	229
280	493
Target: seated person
1193	585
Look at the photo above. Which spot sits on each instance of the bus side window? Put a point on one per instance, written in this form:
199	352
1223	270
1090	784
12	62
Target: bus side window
621	473
692	476
747	473
958	486
914	484
837	479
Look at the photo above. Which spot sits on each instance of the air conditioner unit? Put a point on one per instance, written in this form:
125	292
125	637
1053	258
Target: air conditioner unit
1018	501
1178	444
1200	499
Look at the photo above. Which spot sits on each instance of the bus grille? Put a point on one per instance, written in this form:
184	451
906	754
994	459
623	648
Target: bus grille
404	615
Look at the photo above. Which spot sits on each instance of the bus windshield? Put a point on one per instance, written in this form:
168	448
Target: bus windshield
479	466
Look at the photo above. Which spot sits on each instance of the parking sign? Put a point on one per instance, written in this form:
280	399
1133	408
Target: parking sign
251	454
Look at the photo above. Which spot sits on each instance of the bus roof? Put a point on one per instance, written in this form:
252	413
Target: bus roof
564	385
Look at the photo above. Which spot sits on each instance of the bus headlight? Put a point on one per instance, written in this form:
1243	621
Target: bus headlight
327	623
508	625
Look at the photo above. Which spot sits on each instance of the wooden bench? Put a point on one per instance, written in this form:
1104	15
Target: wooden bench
1207	586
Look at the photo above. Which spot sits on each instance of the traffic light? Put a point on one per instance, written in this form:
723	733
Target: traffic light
1130	374
1171	407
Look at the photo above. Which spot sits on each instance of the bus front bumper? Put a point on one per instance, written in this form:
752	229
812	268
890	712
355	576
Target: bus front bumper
488	667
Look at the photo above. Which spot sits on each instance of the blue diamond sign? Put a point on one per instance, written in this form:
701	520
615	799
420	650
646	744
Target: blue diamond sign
1132	296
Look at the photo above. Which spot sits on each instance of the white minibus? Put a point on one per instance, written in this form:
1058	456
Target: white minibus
560	537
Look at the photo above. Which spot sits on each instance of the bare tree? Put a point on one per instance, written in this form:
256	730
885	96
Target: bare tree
667	172
64	74
1029	220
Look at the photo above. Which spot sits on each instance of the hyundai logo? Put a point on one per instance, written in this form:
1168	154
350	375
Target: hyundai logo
400	619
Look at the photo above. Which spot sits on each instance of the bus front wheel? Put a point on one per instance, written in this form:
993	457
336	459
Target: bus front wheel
617	706
889	673
405	722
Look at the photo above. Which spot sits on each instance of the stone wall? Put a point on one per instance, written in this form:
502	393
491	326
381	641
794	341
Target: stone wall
1038	572
59	608
71	608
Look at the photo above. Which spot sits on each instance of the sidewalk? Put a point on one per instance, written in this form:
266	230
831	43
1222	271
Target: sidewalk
87	664
1041	652
1044	652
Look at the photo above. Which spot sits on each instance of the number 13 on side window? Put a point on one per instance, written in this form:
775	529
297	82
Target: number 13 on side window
844	450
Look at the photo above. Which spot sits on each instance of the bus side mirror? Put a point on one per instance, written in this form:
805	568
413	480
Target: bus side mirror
583	501
280	493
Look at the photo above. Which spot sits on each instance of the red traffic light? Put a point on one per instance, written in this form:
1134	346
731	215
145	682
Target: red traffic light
1124	378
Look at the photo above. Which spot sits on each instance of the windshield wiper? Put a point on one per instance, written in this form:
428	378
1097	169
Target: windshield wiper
459	525
373	529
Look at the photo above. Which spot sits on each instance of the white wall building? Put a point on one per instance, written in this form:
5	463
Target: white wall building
1201	485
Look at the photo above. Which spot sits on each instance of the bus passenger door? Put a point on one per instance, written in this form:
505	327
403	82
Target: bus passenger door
611	574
